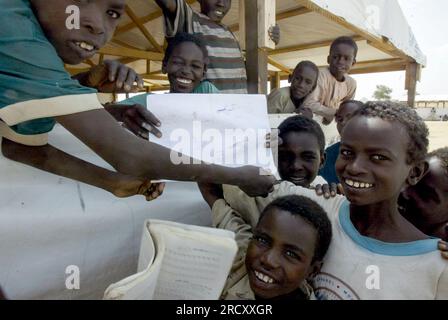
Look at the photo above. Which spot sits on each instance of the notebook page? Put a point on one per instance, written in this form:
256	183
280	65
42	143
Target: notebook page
195	265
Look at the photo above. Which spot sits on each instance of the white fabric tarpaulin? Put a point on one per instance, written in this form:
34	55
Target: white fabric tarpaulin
50	225
381	18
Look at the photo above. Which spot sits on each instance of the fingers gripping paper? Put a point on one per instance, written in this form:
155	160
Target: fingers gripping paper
224	129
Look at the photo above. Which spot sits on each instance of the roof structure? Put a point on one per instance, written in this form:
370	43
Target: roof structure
385	40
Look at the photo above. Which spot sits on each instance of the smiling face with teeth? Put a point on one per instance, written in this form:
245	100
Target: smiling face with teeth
280	256
372	165
98	20
215	9
299	158
185	67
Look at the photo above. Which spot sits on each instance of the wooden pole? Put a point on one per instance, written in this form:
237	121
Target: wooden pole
256	58
275	81
412	76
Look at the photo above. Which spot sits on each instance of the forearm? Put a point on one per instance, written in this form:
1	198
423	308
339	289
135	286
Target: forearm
129	154
53	160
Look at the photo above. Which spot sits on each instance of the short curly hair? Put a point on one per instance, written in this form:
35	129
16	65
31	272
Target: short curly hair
303	124
311	212
442	154
182	37
344	40
408	117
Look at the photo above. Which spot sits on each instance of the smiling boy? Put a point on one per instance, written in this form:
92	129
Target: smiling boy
290	99
301	153
278	256
334	85
227	69
375	252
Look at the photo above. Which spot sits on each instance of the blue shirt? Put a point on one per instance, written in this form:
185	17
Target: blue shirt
34	85
328	172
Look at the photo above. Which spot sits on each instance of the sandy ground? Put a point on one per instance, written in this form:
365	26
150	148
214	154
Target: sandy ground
438	134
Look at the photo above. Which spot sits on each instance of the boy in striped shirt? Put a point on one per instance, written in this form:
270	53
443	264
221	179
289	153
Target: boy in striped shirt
226	69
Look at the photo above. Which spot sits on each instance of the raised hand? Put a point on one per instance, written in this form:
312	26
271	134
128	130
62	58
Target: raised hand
111	77
329	190
256	183
136	118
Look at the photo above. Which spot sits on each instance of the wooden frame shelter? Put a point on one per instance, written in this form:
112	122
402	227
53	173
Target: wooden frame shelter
307	31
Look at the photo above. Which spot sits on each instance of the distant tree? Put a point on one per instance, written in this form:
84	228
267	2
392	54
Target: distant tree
382	92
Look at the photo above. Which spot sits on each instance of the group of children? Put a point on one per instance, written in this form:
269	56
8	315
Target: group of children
381	161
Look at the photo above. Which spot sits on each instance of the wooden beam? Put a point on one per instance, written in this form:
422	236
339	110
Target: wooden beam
160	87
275	81
142	28
127	45
128	60
378	69
148	76
131	53
148	70
305	46
292	13
280	16
90	62
152	16
256	59
411	82
372	66
383	62
279	66
375	66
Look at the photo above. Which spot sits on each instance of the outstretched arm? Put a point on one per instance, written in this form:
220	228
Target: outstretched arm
134	156
53	160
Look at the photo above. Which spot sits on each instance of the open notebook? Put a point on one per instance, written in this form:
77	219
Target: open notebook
178	262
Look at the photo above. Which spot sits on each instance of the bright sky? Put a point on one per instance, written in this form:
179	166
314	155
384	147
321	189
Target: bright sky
427	19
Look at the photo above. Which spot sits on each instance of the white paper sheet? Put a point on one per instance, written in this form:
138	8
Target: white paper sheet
224	129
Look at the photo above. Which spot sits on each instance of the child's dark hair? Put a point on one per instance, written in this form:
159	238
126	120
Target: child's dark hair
309	64
311	212
408	117
356	102
344	40
303	124
441	154
185	37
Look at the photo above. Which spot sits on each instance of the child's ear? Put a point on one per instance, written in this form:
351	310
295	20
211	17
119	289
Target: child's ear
417	172
354	62
290	78
164	67
328	59
314	269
